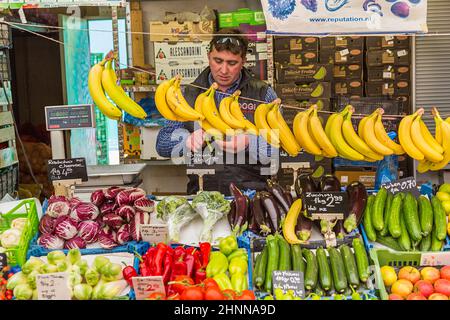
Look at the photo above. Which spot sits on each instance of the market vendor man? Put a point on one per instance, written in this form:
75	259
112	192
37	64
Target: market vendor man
227	56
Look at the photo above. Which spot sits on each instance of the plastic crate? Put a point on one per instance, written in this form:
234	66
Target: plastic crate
9	180
25	209
381	257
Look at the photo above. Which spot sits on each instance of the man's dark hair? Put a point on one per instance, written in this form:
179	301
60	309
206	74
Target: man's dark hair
230	39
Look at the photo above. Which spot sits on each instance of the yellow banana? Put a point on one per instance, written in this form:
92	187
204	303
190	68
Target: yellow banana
404	136
424	165
250	128
260	116
352	138
286	137
211	113
445	130
302	135
97	94
161	103
179	105
337	139
420	142
383	137
361	125
328	124
447	120
430	140
320	136
438	133
370	138
225	114
116	93
286	129
204	124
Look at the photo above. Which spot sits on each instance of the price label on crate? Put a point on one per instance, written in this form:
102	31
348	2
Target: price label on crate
326	205
145	286
403	185
435	259
154	233
289	280
67	169
53	286
3	260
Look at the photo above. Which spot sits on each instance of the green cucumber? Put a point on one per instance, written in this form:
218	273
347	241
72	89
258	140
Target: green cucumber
298	264
378	209
312	269
404	239
324	269
411	217
362	260
425	244
436	244
284	264
367	220
259	273
389	242
387	213
273	256
394	217
425	215
351	269
338	270
440	220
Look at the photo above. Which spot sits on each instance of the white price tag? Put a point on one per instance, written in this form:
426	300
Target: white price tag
402	53
344	52
154	233
145	286
435	259
53	286
387	75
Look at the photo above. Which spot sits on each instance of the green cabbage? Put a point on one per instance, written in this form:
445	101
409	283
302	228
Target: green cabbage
32	264
16	279
74	279
74	255
56	256
110	290
48	268
31	279
82	265
23	292
92	276
100	262
62	266
112	272
82	291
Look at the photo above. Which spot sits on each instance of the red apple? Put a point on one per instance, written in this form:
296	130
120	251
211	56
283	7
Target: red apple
442	286
437	296
430	274
445	272
409	273
394	296
416	296
424	288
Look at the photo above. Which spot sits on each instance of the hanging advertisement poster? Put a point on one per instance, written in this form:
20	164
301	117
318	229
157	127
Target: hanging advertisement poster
322	17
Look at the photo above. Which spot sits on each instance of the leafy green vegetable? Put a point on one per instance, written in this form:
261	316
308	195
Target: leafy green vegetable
31	279
179	218
32	264
62	266
74	255
23	292
83	265
16	279
92	276
48	268
168	205
56	256
82	291
99	262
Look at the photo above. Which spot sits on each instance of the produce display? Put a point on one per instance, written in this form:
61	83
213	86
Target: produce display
404	223
10	237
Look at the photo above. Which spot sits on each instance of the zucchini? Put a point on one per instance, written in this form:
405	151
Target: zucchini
298	264
367	221
425	215
259	273
378	209
362	260
436	244
284	264
404	240
411	217
338	270
389	242
312	270
273	255
440	220
387	213
324	269
394	217
425	244
350	266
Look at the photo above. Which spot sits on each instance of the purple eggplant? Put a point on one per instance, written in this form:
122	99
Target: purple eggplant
339	229
232	214
329	183
305	183
271	207
242	204
258	223
303	227
278	193
357	198
288	195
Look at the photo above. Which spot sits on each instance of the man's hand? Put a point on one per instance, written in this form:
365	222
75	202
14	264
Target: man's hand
195	140
234	144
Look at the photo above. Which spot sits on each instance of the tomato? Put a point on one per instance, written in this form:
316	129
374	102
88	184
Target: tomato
180	283
247	295
213	293
192	293
157	296
209	282
229	294
174	296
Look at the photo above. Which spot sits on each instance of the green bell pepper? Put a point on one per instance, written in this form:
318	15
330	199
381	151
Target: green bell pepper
239	282
218	263
228	244
239	253
223	281
238	265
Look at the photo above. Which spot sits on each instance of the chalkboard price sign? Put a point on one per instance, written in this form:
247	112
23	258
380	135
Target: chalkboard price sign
323	205
3	261
403	185
67	169
69	117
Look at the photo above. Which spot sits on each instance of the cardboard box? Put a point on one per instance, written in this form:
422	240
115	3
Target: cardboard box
367	178
348	71
388	42
257	68
397	57
344	56
256	51
356	42
287	44
311	73
189	69
241	16
167	52
182	31
290	113
389	72
303	91
147	136
388	88
296	57
367	105
348	87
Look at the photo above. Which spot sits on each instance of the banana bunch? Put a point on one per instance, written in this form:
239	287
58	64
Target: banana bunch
102	79
433	153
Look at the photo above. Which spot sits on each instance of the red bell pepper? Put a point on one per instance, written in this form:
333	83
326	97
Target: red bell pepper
190	264
149	256
128	273
159	259
179	253
197	260
205	249
168	261
200	275
179	268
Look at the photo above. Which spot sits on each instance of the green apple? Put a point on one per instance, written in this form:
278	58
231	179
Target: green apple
443	196
445	188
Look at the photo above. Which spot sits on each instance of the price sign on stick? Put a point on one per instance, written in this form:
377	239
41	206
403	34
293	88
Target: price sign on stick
53	286
145	286
403	185
289	280
67	169
154	233
326	205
